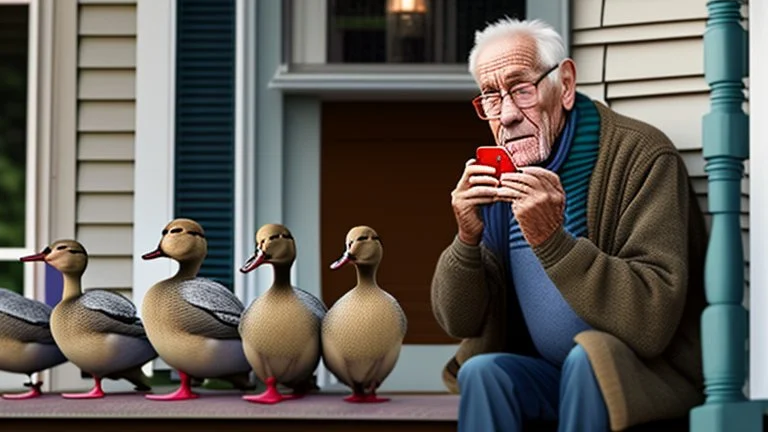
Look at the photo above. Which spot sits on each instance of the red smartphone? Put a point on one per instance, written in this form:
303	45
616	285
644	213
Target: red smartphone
497	157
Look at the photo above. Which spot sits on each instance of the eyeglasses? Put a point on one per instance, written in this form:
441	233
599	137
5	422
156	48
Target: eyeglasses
525	95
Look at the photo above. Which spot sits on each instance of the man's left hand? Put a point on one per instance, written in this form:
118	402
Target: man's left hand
538	201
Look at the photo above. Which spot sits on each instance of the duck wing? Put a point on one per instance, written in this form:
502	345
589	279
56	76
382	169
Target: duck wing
314	304
222	308
24	319
116	314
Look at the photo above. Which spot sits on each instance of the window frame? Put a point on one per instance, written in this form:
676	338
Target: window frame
304	68
31	208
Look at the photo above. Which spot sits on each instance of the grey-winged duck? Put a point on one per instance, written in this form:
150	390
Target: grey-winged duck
192	321
97	330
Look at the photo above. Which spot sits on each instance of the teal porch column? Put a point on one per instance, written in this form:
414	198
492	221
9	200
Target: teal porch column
726	145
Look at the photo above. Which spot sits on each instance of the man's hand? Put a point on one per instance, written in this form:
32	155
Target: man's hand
476	187
538	201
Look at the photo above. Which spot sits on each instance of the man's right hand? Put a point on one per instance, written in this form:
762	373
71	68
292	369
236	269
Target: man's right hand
476	187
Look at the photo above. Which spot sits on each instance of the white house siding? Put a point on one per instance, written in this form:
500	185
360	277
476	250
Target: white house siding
105	126
645	59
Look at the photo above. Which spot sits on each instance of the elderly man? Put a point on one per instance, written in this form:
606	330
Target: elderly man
576	283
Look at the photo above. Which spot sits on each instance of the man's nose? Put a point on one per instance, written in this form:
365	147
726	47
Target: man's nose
510	113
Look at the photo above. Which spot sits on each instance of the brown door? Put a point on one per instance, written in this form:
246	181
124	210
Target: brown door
392	166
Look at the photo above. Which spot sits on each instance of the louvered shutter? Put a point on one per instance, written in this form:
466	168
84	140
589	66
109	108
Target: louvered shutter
205	124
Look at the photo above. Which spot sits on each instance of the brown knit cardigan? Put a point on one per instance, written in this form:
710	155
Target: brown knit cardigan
637	280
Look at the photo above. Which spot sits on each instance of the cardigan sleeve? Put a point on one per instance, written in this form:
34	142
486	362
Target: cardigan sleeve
637	292
459	292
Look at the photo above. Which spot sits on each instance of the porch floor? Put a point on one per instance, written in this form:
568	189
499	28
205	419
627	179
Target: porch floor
224	410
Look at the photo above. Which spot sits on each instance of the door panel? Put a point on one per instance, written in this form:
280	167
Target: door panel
392	166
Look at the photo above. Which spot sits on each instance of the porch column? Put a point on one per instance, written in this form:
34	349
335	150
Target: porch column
726	146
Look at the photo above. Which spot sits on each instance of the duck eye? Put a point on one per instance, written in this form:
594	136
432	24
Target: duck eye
195	233
165	231
274	236
361	238
47	250
62	247
176	230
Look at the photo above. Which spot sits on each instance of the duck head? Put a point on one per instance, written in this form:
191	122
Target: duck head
66	256
182	240
363	248
274	245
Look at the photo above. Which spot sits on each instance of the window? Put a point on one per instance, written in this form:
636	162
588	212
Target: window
16	162
409	31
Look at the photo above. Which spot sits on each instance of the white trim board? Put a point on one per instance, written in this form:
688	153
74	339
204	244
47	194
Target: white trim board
154	143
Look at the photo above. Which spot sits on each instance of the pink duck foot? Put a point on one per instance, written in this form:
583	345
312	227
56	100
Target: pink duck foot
184	391
35	392
271	395
95	393
365	398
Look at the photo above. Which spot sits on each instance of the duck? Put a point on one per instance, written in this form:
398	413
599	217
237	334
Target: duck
26	343
96	329
363	331
193	321
281	328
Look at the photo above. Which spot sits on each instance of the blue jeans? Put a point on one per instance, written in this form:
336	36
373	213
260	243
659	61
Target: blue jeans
500	392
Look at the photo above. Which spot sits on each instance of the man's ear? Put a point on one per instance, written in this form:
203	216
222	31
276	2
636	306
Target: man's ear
568	83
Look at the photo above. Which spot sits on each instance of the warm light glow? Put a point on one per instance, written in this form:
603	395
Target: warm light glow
407	6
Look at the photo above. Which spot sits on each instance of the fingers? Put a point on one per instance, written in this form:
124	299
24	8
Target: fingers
471	169
544	174
478	180
509	194
478	192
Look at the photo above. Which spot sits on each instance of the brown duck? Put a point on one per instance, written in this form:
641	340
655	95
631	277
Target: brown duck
364	330
281	328
192	321
97	330
26	343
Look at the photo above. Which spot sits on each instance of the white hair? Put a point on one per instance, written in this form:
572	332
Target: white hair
549	43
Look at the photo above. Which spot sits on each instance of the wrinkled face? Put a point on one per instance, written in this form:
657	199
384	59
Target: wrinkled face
529	133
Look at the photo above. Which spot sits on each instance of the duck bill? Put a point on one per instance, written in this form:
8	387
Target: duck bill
254	261
157	253
341	261
36	257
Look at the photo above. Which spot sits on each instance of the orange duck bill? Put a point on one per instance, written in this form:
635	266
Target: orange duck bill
254	261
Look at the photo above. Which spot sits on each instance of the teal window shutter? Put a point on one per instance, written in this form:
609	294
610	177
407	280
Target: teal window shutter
205	126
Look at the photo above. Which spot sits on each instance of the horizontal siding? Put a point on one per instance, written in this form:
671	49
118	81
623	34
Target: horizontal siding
645	59
107	52
115	85
105	146
106	92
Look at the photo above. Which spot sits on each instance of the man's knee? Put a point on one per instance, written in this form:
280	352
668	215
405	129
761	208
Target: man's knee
478	369
577	362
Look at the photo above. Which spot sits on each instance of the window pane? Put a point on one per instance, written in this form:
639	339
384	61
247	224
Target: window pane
410	31
12	276
13	122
